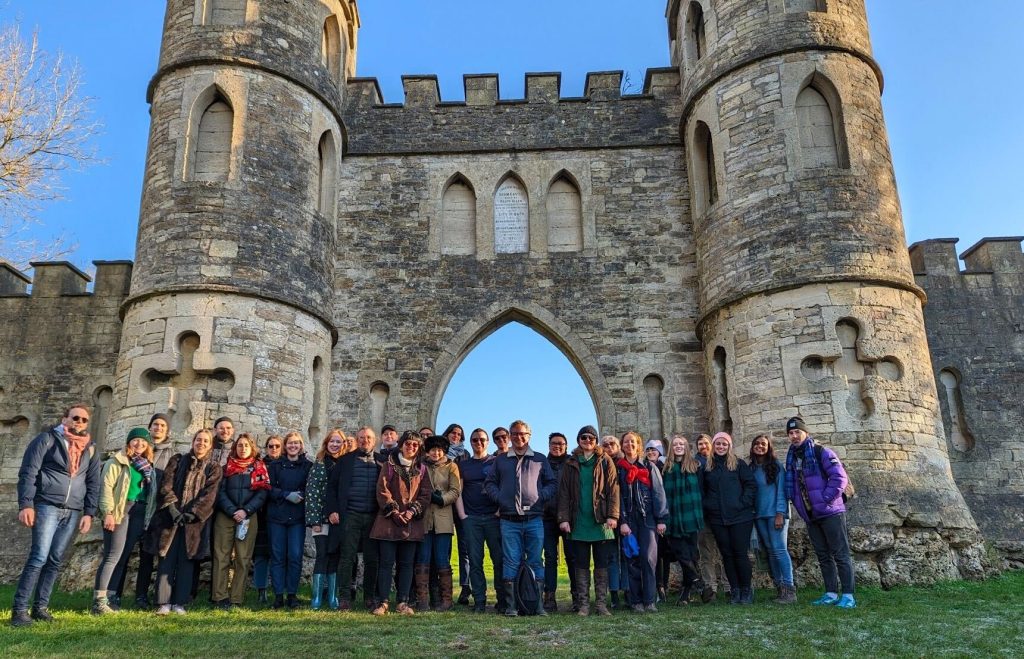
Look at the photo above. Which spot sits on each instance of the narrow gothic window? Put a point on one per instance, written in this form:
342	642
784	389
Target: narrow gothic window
722	413
458	219
565	217
819	144
653	387
327	175
330	49
213	142
697	32
704	174
224	12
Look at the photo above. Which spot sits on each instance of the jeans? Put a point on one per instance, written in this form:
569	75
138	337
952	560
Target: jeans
481	529
175	572
733	542
551	536
52	532
832	547
642	588
286	541
435	549
775	541
355	528
522	541
463	548
260	572
117	547
615	580
403	552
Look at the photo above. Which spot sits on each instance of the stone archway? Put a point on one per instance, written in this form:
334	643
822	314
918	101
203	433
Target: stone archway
536	318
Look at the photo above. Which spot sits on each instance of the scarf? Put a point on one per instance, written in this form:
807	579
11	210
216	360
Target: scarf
195	479
685	504
76	447
635	472
259	479
144	467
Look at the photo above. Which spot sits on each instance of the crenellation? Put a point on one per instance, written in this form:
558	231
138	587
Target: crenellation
1000	255
603	86
421	90
13	282
57	279
113	278
543	87
364	92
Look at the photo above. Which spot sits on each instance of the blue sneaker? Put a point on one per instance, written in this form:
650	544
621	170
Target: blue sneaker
826	600
846	602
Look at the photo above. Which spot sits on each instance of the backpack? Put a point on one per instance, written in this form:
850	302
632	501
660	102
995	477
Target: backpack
527	594
849	491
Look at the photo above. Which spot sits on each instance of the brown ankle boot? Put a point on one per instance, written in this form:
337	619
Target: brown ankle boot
582	592
601	592
550	604
422	576
444	577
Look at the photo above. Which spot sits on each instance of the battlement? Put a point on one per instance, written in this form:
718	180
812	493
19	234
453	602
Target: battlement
995	255
424	123
52	279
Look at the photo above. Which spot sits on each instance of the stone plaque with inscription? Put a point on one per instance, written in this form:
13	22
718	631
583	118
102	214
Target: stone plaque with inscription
511	218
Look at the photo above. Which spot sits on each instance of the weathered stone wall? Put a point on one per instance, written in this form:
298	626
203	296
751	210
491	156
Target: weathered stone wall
975	322
58	346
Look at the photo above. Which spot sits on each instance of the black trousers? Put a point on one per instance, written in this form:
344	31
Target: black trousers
733	542
174	575
684	549
832	547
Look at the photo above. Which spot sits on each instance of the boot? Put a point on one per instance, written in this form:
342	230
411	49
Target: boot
746	595
787	595
540	603
332	591
422	576
510	596
601	592
615	599
444	578
464	595
278	601
101	605
550	604
318	591
435	589
684	595
583	592
735	595
261	595
707	593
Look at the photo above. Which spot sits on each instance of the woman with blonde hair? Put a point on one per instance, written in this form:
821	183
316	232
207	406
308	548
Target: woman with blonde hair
642	515
684	483
287	515
243	491
128	480
325	568
729	494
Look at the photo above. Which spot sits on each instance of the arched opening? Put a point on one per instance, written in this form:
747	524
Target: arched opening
705	177
212	138
565	216
820	120
514	371
960	435
696	34
511	217
330	49
458	217
101	403
327	175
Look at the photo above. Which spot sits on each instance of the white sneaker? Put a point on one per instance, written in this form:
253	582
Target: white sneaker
165	609
178	610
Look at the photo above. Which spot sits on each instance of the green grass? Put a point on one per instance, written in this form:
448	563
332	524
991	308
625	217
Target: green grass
949	619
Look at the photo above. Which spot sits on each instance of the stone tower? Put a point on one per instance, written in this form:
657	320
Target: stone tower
230	309
807	300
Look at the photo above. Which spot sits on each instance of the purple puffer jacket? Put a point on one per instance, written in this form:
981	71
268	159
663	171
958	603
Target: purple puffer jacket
825	481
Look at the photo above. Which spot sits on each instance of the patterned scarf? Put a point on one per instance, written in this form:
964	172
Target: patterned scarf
260	479
144	467
685	504
76	447
635	472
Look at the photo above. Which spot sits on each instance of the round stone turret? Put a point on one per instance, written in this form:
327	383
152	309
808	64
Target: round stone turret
807	301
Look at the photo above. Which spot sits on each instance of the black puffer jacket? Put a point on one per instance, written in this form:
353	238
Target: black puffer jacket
729	496
288	476
236	492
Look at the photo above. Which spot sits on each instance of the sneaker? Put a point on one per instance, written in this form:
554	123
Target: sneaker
344	605
638	608
381	609
404	609
101	606
651	608
178	610
826	600
142	602
846	602
41	614
224	605
115	602
163	610
20	619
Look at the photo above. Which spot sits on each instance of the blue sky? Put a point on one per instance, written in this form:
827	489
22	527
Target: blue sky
954	89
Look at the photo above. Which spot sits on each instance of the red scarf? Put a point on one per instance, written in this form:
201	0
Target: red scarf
76	447
260	478
635	472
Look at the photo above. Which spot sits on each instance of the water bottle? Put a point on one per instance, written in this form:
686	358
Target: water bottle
242	529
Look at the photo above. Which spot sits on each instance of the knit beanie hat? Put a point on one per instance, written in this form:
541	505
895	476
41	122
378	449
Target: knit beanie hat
587	430
160	415
224	418
138	433
654	444
796	423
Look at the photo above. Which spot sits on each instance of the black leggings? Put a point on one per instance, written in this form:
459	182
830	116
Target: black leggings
684	549
733	542
404	552
326	561
603	551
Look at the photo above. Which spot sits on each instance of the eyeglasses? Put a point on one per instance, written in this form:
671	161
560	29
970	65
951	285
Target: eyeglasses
81	419
501	436
273	446
587	438
520	434
478	440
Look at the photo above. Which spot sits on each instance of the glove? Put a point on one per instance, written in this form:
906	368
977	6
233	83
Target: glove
175	514
437	498
188	518
294	497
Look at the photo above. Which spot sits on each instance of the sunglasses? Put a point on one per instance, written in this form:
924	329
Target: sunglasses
80	419
501	437
587	438
478	440
273	446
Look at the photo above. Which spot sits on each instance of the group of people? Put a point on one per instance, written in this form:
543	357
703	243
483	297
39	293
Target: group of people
622	511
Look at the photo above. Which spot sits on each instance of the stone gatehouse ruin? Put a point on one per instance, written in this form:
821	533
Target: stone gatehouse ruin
722	250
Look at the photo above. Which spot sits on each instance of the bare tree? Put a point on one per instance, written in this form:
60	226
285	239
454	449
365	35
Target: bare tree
45	128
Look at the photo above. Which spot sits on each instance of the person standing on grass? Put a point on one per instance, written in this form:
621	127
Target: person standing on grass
58	494
287	515
711	569
188	493
772	523
521	483
643	515
273	449
815	482
480	521
558	455
351	505
435	550
403	494
325	566
684	483
129	480
618	580
730	492
654	451
457	452
243	491
587	511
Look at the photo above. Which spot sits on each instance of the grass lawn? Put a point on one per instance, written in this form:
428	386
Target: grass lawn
949	619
